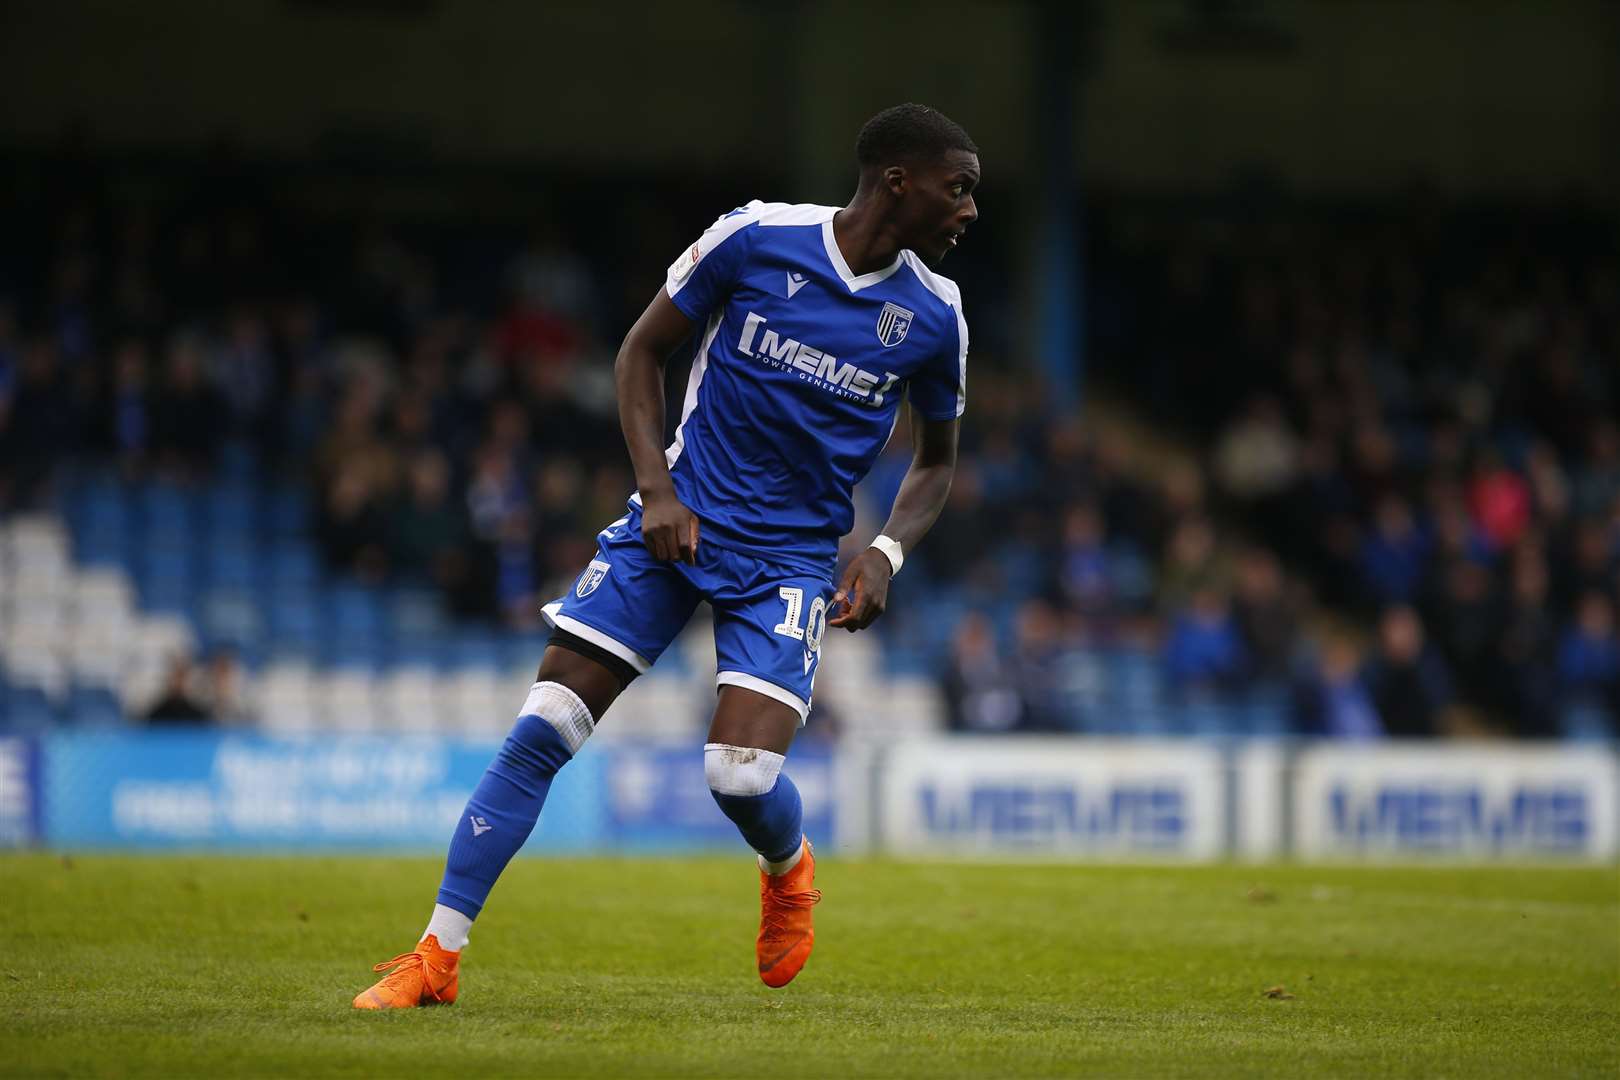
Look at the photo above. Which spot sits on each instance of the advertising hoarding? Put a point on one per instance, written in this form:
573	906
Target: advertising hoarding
1424	800
1102	798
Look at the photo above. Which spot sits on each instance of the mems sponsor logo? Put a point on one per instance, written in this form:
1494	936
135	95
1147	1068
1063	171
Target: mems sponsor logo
1121	816
813	365
1466	802
1530	818
1052	797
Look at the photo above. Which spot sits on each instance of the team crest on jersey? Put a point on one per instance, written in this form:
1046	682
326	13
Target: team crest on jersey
893	322
591	578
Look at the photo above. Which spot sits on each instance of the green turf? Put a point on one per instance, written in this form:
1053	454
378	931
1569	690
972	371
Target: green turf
185	966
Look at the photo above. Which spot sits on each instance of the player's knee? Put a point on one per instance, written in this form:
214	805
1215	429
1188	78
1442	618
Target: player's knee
740	771
551	727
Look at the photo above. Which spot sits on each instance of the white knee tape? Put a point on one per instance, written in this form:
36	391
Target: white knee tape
740	770
562	709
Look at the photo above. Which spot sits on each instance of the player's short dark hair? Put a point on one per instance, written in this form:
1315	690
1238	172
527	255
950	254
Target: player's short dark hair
909	133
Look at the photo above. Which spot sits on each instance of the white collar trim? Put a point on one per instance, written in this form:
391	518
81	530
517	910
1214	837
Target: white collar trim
856	284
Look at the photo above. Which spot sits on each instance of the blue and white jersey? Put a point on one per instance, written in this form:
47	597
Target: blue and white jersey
801	369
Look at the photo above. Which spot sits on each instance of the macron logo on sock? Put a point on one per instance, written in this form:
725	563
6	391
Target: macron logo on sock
480	826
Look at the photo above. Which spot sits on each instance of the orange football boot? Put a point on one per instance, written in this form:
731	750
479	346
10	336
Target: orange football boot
785	931
427	976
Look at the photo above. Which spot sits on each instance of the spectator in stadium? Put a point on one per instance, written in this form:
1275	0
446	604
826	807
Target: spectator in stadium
1037	665
1465	617
188	413
1267	616
1393	554
1336	703
1194	561
1204	657
354	524
127	422
1406	680
1525	679
180	701
424	529
226	693
981	688
1589	665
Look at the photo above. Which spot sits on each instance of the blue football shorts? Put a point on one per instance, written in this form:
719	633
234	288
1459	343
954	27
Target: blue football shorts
769	618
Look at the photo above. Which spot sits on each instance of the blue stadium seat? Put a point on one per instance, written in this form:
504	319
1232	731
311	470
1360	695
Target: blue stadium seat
231	616
289	515
476	649
95	706
232	565
356	611
523	651
422	653
232	511
1208	717
168	589
168	516
100	507
28	710
106	548
349	651
292	565
1137	690
1267	712
237	462
295	623
415	614
1586	722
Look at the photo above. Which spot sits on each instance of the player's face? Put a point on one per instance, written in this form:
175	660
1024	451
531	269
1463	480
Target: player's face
939	204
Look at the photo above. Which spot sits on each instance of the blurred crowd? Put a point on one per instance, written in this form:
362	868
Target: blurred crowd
1418	407
1397	510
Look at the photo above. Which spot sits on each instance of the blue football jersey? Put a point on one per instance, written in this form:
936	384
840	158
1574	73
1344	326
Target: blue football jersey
800	372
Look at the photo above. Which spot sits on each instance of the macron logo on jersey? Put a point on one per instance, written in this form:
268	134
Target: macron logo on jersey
812	364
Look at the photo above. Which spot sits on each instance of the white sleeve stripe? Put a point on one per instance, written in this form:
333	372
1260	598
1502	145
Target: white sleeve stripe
700	364
946	290
680	272
961	360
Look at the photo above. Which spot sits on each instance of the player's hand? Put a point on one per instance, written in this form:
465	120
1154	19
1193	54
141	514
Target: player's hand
864	592
669	529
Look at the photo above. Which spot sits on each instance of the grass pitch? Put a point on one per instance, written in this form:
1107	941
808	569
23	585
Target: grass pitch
116	966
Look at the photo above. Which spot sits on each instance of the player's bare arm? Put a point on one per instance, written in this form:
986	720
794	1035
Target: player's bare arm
864	591
668	527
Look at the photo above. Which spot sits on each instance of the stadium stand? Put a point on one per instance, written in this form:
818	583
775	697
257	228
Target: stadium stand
347	479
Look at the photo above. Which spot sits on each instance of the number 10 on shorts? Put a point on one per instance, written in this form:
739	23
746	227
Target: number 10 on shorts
792	622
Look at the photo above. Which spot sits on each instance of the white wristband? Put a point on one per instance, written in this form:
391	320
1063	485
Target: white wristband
891	550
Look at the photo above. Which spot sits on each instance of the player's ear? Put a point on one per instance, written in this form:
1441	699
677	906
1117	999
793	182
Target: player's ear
895	179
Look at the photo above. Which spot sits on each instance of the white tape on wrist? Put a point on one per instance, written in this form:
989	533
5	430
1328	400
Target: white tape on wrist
891	549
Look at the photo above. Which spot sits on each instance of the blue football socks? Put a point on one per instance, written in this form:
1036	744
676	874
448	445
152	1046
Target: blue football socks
506	804
772	823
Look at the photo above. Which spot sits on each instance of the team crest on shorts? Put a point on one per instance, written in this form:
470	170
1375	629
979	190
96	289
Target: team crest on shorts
893	322
591	578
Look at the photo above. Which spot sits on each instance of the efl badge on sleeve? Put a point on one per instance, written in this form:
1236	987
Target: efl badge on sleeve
683	265
893	322
591	578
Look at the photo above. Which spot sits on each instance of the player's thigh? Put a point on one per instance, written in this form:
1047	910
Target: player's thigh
596	684
749	718
767	639
624	604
